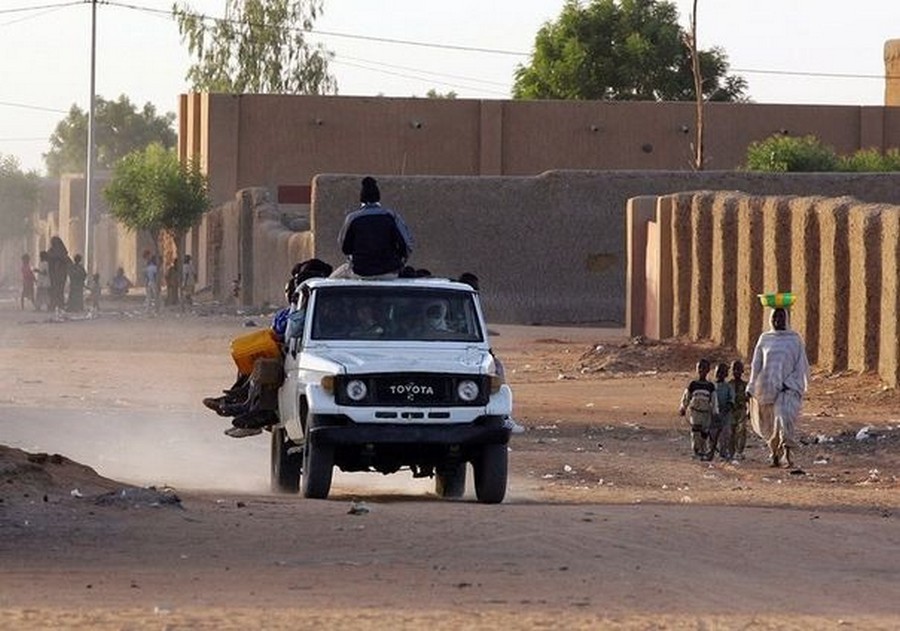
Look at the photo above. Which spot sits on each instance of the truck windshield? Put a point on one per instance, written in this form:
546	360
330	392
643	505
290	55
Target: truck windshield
401	313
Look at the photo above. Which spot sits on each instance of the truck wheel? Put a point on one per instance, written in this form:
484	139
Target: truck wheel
318	463
490	468
285	473
451	483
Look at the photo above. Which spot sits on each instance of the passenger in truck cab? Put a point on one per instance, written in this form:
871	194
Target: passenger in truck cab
436	316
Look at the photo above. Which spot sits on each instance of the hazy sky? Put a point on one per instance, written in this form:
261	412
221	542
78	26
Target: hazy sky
45	66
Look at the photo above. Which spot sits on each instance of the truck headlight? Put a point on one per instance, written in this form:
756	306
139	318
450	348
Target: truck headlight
356	390
467	390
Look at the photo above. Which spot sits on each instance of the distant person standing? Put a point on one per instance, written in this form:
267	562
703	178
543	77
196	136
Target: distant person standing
58	263
779	376
188	282
77	278
42	296
375	239
28	281
93	288
151	283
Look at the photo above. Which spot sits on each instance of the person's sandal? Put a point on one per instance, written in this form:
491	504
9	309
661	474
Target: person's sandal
787	458
256	419
242	432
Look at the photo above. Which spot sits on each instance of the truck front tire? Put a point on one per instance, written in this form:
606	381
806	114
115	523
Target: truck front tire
285	473
318	464
490	468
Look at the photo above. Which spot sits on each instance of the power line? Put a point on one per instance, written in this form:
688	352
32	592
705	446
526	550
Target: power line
40	7
26	106
830	75
32	17
404	42
380	67
424	79
369	38
437	74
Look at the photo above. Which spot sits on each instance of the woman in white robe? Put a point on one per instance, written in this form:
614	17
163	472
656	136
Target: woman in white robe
779	376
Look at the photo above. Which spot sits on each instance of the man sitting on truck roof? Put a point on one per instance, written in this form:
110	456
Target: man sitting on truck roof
375	239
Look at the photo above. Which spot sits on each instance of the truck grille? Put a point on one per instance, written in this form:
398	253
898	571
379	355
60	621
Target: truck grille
412	390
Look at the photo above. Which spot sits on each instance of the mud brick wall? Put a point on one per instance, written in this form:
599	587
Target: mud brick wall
839	256
247	237
888	329
834	273
805	261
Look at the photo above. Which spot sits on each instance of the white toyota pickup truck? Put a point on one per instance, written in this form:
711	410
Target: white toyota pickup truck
389	375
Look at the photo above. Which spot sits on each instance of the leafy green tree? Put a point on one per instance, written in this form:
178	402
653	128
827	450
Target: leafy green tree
18	198
119	129
630	50
152	190
259	47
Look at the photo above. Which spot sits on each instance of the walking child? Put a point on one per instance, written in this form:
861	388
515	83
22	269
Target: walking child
28	281
188	280
42	295
699	399
720	431
741	412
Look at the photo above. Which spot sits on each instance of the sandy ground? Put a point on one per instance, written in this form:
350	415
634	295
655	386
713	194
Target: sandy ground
123	506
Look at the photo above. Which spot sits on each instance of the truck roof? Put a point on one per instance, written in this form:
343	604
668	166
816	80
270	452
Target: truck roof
428	282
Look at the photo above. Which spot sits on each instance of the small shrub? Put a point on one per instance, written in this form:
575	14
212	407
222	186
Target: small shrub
871	161
784	154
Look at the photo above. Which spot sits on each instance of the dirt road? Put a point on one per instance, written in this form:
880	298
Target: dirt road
608	522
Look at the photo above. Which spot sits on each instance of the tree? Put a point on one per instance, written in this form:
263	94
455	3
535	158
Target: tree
259	47
434	94
621	50
119	129
151	190
690	40
18	198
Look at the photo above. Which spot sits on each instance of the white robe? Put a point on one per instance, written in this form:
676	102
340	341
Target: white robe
779	377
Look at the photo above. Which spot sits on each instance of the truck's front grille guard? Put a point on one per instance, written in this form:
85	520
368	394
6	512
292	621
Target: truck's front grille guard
413	390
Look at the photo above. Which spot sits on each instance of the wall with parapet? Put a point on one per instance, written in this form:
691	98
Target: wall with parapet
273	140
838	255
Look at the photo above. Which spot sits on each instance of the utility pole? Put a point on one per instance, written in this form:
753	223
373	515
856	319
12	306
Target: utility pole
91	150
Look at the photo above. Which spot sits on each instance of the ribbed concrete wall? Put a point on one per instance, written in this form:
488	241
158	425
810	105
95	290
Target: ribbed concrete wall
839	255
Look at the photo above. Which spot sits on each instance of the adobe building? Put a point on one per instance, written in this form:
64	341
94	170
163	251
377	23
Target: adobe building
282	142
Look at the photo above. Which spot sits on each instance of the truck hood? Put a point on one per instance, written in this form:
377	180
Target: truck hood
409	358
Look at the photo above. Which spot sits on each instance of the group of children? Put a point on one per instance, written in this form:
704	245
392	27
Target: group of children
717	412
